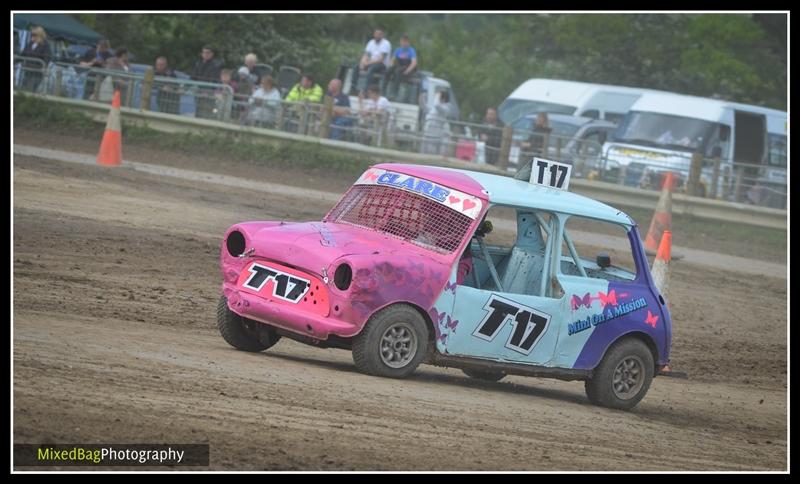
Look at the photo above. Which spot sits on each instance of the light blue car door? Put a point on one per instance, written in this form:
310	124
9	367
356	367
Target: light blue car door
506	318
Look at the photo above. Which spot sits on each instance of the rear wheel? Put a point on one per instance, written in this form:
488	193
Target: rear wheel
623	377
242	333
393	342
485	375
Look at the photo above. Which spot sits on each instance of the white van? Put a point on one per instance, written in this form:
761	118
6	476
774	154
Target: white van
597	101
663	130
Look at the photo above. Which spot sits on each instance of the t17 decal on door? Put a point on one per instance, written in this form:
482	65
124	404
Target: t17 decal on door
528	324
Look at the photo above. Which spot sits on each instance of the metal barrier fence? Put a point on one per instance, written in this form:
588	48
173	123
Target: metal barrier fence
505	148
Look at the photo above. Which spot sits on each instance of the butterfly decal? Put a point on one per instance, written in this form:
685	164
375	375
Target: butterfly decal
651	319
606	299
443	338
450	286
451	323
577	301
437	316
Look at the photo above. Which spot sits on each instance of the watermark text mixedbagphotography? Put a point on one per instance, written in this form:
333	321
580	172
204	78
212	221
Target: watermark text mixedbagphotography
111	455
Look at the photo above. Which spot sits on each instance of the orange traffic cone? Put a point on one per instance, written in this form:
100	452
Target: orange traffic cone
662	218
660	270
111	146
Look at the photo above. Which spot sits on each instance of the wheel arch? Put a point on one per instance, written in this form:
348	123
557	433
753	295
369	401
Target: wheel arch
641	336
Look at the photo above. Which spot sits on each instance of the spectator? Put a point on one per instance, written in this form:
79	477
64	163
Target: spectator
341	109
375	60
207	69
491	133
536	140
305	90
404	65
223	97
97	56
375	110
436	136
37	48
119	60
536	144
167	95
248	70
264	103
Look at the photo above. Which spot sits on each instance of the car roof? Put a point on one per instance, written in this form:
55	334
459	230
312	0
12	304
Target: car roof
503	190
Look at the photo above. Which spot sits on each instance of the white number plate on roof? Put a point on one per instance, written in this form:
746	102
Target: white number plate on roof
550	173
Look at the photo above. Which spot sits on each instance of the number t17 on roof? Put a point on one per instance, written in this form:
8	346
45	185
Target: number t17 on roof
550	173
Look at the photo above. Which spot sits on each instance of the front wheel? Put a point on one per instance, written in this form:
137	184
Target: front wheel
393	342
623	377
242	333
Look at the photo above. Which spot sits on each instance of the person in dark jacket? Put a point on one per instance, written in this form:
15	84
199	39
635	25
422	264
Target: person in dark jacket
37	48
169	99
207	69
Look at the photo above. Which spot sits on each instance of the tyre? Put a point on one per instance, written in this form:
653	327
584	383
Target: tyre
623	377
393	343
242	333
485	375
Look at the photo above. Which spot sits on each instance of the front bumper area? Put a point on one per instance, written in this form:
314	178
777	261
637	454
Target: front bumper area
285	317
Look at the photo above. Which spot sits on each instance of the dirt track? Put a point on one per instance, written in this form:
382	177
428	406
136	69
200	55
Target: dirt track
116	280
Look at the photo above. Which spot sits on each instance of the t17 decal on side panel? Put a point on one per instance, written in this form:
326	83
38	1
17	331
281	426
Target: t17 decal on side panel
286	286
528	323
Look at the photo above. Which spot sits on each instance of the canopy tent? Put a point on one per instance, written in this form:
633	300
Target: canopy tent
57	25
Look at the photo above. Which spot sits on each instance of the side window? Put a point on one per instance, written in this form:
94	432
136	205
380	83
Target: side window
602	249
591	113
512	257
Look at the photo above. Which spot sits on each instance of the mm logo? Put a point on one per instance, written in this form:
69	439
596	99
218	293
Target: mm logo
529	324
285	286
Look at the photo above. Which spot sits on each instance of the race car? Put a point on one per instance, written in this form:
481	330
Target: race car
399	272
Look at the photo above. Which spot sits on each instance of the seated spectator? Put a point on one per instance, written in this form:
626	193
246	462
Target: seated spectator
342	118
37	48
375	60
167	95
404	65
264	103
305	90
248	70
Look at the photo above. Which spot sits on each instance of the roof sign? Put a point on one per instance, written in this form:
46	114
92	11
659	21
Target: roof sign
550	173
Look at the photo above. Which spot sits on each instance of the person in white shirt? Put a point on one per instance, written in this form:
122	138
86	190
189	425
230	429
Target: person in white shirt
264	103
375	60
376	111
249	69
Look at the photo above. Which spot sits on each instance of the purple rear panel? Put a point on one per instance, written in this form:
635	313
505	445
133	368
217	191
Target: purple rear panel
652	319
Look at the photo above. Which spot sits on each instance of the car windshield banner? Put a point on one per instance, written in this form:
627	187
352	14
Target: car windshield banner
458	201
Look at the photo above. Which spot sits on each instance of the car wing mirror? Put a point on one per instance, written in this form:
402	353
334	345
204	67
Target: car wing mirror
603	260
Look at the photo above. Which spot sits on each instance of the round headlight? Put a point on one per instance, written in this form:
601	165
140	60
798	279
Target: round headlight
235	243
342	277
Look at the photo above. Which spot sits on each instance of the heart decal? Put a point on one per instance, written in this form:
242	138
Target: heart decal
468	204
370	176
454	200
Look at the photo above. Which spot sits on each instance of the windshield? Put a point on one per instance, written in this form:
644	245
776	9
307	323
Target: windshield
513	109
403	214
665	131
